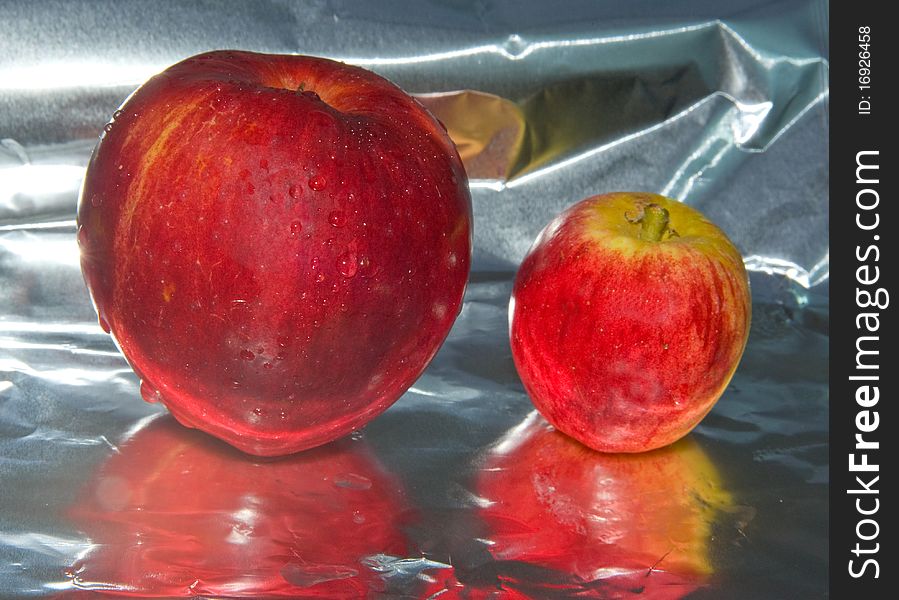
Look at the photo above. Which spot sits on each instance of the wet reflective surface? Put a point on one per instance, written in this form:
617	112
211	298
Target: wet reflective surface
723	108
559	518
88	501
176	513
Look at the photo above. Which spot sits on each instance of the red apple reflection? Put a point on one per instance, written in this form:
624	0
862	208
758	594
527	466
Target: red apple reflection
565	521
179	514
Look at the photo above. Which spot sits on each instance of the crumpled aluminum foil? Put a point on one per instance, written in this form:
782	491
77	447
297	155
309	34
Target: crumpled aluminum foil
459	490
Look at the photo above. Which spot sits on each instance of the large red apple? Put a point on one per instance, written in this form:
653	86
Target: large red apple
628	318
179	514
278	244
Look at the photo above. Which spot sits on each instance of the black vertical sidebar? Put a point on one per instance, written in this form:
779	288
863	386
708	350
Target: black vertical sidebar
864	445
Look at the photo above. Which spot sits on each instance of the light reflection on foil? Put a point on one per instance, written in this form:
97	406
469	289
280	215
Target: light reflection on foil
38	180
515	48
770	265
75	74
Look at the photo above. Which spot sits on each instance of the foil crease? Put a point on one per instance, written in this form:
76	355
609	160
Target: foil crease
457	491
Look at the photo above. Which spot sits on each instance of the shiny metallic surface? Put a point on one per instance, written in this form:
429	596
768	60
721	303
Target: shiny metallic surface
722	106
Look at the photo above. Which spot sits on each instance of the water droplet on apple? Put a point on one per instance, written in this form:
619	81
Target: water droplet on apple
315	262
317	183
96	200
366	268
356	435
247	354
104	325
108	127
295	228
267	365
293	191
347	264
320	278
439	310
149	393
337	218
116	114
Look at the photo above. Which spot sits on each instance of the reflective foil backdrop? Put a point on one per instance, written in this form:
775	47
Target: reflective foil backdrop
459	490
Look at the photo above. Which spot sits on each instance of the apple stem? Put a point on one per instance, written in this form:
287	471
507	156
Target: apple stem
653	222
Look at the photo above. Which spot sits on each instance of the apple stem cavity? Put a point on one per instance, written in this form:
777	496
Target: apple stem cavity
653	223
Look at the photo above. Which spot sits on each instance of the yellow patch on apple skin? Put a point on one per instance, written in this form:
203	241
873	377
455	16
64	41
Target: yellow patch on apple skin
168	290
613	219
201	165
168	125
157	141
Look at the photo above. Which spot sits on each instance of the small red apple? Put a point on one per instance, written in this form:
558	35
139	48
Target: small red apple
278	244
562	517
179	514
628	318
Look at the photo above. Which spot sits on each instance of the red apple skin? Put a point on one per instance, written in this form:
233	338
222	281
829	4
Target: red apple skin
278	244
624	343
177	513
